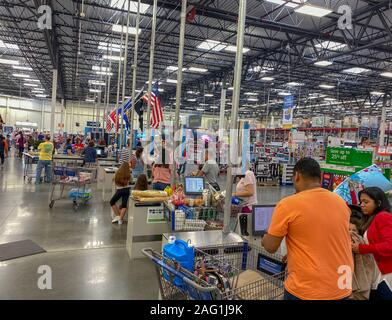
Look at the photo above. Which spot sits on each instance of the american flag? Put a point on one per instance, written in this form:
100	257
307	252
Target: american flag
156	107
109	123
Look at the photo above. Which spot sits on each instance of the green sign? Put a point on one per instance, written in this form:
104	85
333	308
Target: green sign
349	157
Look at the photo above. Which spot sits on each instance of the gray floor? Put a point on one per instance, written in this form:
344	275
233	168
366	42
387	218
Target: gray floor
84	250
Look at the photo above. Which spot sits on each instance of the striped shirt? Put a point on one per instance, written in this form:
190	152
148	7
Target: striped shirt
124	155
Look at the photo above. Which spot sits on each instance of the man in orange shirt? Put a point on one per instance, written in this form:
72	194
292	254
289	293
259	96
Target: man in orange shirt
315	223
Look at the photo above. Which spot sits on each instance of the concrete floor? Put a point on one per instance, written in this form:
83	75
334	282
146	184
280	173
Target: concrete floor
84	250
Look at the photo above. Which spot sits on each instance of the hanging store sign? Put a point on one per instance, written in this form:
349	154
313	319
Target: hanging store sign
288	111
93	124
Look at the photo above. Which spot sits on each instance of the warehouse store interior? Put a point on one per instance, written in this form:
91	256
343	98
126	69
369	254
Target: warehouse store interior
154	149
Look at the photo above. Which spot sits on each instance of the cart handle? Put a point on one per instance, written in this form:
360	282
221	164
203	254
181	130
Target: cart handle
147	252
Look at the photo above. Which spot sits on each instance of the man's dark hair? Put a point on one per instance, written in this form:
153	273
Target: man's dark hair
309	168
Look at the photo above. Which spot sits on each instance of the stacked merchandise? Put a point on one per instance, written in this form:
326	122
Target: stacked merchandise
287	174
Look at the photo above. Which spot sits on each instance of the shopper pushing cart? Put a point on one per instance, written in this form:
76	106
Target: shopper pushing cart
46	150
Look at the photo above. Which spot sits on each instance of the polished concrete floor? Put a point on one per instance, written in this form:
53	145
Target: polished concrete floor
85	251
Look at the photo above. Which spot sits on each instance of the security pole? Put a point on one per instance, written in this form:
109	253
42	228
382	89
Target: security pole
135	55
151	73
179	88
53	111
125	74
266	124
234	111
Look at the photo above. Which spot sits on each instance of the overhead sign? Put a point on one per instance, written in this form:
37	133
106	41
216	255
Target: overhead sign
288	111
93	124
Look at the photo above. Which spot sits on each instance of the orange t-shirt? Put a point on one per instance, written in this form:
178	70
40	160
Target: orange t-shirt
316	226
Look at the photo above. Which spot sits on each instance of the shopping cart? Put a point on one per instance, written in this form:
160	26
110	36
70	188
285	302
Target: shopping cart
238	271
75	178
30	162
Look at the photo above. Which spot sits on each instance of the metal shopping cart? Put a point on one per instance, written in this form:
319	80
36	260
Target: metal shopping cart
75	178
239	271
30	162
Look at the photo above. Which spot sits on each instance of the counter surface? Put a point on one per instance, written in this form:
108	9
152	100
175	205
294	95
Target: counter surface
205	238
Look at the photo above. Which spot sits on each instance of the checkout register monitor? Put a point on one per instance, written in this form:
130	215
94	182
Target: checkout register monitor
261	219
194	186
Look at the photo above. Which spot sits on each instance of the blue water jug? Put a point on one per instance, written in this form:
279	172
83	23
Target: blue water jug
181	252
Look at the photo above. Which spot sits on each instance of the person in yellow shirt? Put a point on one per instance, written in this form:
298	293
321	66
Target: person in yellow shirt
315	223
45	160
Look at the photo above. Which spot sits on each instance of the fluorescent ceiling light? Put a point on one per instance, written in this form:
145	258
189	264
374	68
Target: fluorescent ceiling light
19	75
153	82
267	79
201	70
250	93
200	109
171	80
109	46
326	86
377	93
294	84
119	4
292	4
41	95
191	92
212	45
208	95
37	91
8	61
104	73
22	68
355	70
119	28
95	90
323	63
386	74
253	99
234	49
313	10
31	80
113	58
283	93
98	68
329	99
90	100
174	68
161	90
30	85
191	100
214	107
330	45
96	83
230	88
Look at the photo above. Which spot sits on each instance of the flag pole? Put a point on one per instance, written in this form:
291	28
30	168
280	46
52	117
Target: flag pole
119	81
151	73
135	55
234	111
125	74
179	87
108	87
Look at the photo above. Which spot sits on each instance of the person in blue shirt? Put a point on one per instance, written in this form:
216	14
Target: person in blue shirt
90	153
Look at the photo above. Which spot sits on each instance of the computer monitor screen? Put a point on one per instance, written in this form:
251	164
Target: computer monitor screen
194	185
261	219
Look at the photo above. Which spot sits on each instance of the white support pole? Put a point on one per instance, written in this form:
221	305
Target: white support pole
234	110
7	118
134	66
118	84
53	111
151	72
383	122
266	123
62	117
179	88
43	115
125	73
222	108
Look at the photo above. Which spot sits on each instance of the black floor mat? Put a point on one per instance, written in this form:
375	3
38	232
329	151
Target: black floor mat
13	250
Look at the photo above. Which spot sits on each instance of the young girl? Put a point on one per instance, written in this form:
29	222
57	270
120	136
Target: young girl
141	183
122	180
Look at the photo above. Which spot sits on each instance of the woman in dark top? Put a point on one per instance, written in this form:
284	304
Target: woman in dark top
68	147
90	154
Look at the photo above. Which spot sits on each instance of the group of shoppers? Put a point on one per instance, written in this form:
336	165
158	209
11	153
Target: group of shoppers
315	224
